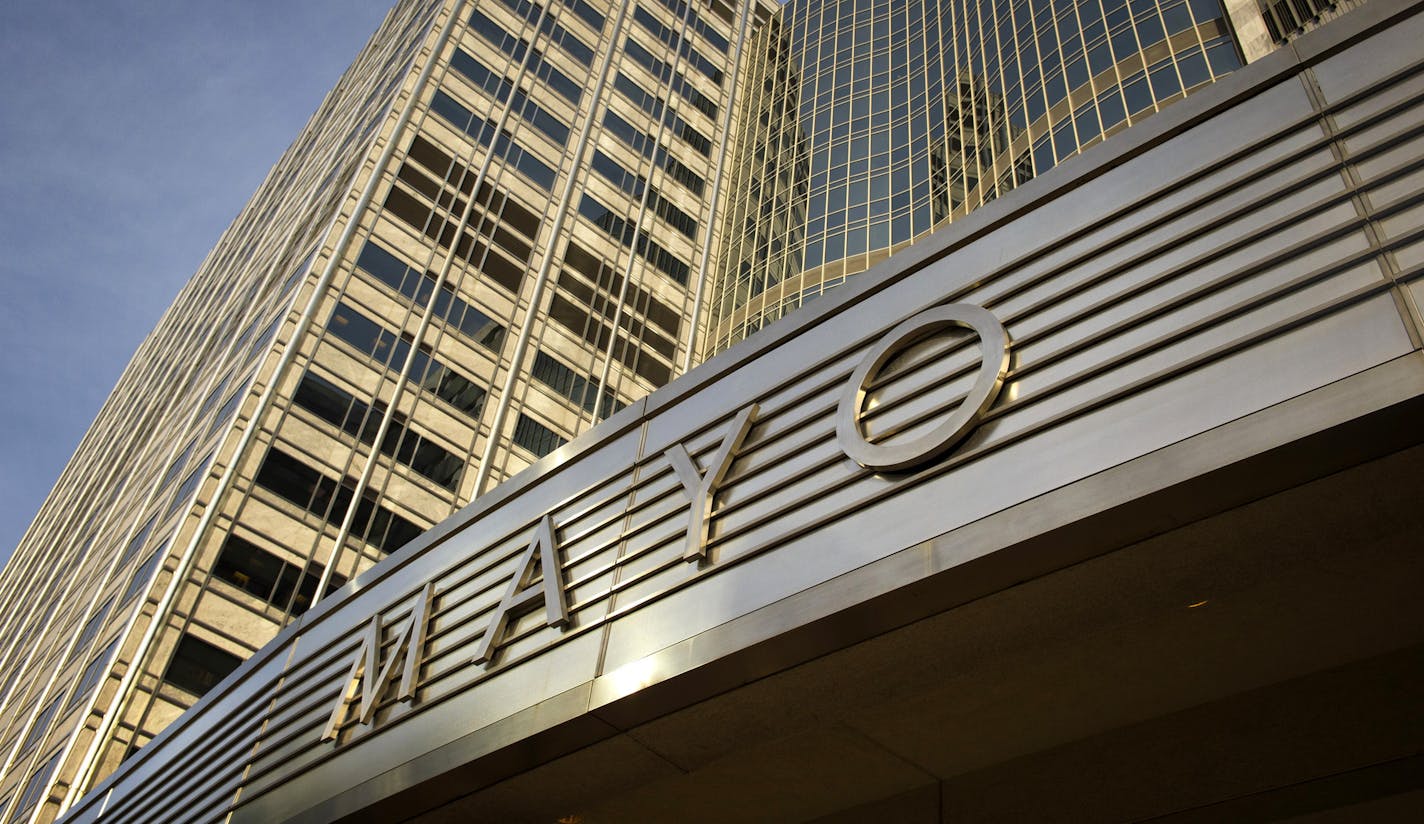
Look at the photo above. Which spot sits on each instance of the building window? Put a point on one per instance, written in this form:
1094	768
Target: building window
634	186
337	406
258	572
385	348
198	666
91	628
501	89
142	576
536	437
553	78
587	13
577	319
178	463
189	486
574	386
290	478
623	231
690	19
40	726
498	86
228	409
558	35
682	45
499	142
93	674
658	110
136	542
34	788
417	286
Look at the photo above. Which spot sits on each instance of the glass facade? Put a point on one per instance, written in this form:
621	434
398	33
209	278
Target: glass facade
869	123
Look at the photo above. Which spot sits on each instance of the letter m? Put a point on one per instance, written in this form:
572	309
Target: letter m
371	679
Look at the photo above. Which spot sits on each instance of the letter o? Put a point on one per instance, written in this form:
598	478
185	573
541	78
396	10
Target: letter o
994	345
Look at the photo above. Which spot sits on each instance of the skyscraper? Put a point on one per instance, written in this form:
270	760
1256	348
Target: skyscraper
507	220
878	123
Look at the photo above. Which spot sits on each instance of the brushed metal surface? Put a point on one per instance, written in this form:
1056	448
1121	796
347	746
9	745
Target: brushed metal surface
945	435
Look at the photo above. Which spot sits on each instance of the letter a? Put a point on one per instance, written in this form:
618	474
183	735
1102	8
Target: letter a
372	678
520	597
702	486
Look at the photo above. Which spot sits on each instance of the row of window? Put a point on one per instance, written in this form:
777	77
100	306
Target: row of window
37	625
690	19
182	460
500	143
553	77
610	282
658	109
645	145
92	675
497	204
386	349
287	586
634	186
515	48
143	575
501	214
229	408
601	336
682	45
1160	81
558	35
416	287
500	269
40	726
588	13
184	491
136	542
503	89
1286	17
90	678
34	789
327	499
91	627
207	406
419	214
188	487
670	76
269	332
605	305
579	388
348	413
627	234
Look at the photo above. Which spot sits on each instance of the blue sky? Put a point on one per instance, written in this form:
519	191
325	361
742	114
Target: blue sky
131	133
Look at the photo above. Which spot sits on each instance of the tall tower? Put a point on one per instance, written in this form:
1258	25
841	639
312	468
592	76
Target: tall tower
881	121
488	238
509	219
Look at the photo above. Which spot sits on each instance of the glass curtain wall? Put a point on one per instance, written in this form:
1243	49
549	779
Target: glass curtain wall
869	123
